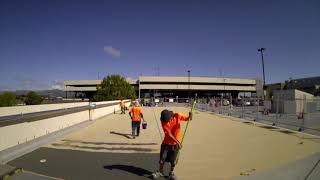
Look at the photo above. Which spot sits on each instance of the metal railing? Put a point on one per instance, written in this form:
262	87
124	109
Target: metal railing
296	114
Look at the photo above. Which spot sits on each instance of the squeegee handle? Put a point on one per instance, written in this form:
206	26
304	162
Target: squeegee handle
185	131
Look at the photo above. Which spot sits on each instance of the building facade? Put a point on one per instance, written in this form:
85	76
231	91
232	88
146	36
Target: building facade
310	85
171	86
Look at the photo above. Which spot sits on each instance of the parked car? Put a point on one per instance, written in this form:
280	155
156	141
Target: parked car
226	103
247	103
237	102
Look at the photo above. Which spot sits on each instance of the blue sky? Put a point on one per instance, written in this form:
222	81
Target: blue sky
43	42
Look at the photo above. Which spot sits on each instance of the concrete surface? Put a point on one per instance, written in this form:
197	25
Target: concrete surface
215	148
22	149
304	169
5	169
310	124
12	173
25	175
28	131
7	111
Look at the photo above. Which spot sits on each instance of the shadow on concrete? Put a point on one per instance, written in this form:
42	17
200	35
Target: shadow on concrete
106	143
247	122
284	131
128	136
267	127
83	165
104	148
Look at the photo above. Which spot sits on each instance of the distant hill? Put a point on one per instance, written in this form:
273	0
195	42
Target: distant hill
52	92
21	92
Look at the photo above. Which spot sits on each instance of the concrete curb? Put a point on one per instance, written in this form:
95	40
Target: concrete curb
7	171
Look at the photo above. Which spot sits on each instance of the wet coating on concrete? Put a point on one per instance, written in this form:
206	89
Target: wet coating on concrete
103	150
73	165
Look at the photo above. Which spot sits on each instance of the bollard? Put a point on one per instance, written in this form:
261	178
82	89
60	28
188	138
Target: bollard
242	110
258	108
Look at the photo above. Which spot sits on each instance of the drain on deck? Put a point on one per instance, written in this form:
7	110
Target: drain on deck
268	127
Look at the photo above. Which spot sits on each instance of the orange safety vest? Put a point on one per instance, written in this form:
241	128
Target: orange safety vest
173	126
122	104
136	113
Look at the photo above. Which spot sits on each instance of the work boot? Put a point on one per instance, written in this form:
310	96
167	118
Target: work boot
156	175
172	176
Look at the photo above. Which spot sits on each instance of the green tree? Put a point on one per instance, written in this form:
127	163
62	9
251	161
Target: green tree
114	87
33	98
7	99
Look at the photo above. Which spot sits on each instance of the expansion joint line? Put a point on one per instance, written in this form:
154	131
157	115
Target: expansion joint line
155	118
310	172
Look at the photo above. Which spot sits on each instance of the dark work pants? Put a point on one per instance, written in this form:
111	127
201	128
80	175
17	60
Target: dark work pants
135	128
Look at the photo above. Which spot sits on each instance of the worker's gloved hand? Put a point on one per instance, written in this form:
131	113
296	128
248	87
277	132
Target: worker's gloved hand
190	115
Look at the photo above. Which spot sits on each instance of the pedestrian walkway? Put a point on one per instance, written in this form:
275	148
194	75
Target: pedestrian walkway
215	147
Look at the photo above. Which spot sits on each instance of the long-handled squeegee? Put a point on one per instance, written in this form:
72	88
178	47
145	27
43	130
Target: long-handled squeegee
186	129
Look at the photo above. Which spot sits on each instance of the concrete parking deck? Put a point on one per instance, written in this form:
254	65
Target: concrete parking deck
215	147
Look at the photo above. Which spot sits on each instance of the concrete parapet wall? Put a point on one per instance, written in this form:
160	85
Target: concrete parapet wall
20	133
7	111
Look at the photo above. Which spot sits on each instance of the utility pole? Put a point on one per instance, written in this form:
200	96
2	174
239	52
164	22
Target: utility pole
139	88
264	79
189	93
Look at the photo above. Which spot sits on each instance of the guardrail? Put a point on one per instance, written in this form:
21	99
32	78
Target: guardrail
309	122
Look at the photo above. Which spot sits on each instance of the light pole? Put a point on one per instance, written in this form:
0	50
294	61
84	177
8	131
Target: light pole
189	86
261	52
139	88
264	79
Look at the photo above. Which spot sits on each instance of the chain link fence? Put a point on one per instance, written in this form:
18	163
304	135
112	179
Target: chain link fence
299	114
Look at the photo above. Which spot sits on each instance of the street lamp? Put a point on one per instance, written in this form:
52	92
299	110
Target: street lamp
264	79
189	85
261	52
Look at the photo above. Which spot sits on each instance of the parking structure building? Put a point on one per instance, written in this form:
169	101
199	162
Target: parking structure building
168	87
